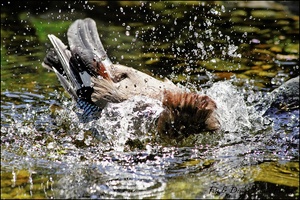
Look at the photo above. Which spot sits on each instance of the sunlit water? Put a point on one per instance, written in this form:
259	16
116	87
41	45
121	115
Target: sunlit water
92	160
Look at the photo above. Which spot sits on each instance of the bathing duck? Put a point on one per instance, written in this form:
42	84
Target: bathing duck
92	80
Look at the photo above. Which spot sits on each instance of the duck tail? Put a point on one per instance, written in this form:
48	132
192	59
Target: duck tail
86	46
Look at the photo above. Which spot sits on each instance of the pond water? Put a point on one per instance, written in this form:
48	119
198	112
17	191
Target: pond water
236	52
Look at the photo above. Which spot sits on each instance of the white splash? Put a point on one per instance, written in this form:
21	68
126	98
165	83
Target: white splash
130	119
232	109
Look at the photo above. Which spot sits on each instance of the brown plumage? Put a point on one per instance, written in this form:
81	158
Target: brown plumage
92	80
187	113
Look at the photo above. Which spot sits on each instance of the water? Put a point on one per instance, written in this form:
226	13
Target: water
86	165
48	152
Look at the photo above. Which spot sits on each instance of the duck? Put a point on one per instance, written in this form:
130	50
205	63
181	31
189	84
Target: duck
93	81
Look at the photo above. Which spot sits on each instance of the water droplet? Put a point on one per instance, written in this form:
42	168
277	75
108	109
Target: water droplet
223	8
175	22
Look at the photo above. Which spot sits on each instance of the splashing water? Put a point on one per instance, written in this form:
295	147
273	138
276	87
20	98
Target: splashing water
232	109
135	117
129	119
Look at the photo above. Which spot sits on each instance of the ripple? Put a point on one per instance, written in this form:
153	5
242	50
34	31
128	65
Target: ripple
132	187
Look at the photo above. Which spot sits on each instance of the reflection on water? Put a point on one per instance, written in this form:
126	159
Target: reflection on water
235	53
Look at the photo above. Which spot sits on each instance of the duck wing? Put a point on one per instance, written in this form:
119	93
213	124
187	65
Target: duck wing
71	74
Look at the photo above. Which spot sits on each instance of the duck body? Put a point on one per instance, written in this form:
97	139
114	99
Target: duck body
92	80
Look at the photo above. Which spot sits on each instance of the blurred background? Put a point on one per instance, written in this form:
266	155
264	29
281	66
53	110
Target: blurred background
253	45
